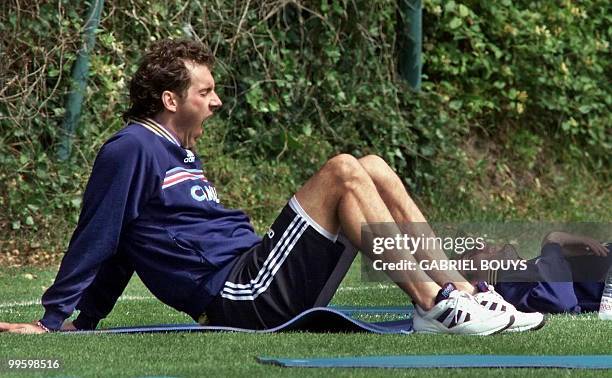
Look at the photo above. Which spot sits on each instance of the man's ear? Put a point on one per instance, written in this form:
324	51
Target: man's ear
170	100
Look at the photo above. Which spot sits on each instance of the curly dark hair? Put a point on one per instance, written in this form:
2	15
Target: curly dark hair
163	69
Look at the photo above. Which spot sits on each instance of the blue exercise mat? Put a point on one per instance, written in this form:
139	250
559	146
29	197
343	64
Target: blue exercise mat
381	310
318	319
447	361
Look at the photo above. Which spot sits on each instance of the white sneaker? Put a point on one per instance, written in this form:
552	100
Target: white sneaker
493	301
460	314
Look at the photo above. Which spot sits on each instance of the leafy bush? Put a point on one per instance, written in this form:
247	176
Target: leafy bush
511	89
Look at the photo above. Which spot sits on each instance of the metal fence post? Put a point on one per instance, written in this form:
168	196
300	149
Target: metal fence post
80	71
410	40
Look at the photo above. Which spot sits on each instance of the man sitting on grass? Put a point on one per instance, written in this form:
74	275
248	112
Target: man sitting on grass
567	276
149	208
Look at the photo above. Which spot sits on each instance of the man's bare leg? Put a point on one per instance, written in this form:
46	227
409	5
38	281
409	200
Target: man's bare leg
404	211
342	195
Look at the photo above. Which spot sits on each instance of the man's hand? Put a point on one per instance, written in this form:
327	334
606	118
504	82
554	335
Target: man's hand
594	247
30	328
23	328
577	245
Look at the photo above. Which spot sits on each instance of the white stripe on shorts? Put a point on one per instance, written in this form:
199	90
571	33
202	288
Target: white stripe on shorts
266	274
271	259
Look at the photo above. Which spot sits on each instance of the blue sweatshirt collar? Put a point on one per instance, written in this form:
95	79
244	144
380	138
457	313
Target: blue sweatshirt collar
157	128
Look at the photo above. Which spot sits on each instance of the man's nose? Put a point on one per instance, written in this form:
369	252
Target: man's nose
215	103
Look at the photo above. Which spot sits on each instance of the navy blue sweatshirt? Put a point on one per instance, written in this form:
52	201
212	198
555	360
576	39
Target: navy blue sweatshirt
148	197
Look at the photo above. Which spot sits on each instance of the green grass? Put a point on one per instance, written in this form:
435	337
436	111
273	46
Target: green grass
228	354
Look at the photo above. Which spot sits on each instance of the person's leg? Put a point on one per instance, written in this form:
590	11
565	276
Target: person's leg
405	212
294	266
343	195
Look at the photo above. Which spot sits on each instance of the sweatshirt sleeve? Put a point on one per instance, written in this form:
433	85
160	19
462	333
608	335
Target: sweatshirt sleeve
100	297
121	182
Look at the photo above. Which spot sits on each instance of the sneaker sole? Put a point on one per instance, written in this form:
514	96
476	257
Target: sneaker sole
503	329
528	328
487	333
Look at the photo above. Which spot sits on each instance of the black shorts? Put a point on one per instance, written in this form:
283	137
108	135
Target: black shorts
297	266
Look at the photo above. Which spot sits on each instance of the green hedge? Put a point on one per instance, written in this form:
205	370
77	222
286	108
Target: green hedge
510	88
